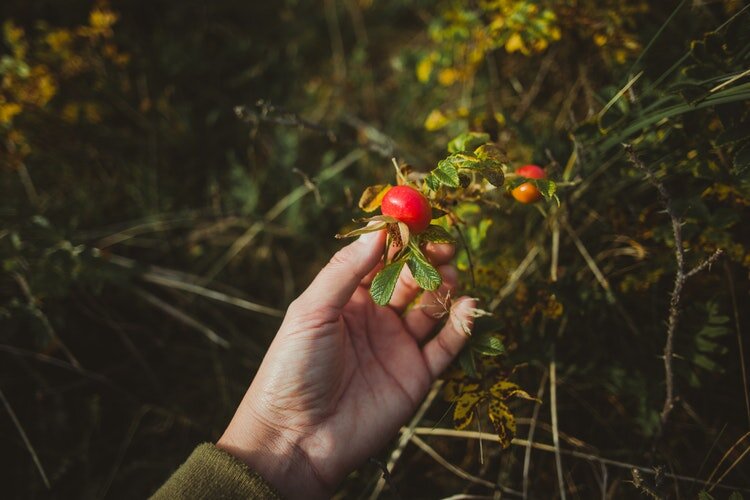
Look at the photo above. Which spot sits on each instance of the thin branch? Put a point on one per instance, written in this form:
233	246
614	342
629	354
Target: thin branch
681	276
25	439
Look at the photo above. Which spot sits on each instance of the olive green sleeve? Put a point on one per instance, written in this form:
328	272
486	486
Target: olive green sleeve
213	473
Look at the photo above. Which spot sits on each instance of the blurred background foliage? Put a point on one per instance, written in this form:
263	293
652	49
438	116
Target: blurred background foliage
172	175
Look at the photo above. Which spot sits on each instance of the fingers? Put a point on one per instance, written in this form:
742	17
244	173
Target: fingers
440	351
406	288
421	319
337	281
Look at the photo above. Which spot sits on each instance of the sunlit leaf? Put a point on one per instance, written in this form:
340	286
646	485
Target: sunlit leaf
468	141
372	197
488	344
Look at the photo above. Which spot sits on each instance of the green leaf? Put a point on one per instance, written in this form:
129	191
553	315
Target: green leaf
494	175
468	363
704	495
488	344
468	141
384	283
736	495
424	273
445	174
436	234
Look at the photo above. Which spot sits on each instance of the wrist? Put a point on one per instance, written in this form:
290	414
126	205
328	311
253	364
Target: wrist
274	454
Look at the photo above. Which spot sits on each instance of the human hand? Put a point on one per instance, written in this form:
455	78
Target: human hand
344	374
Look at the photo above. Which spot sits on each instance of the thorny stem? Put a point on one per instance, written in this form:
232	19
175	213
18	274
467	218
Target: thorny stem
680	278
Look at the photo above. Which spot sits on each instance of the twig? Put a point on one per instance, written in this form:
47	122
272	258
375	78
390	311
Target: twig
530	435
457	225
386	476
25	439
428	431
535	87
555	435
457	470
681	277
406	435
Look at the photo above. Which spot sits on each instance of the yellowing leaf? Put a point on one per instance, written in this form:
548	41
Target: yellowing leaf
8	111
465	405
505	389
503	421
372	197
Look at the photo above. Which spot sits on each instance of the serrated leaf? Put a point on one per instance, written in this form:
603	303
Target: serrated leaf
436	234
468	141
488	344
373	196
423	272
384	282
503	421
466	403
444	174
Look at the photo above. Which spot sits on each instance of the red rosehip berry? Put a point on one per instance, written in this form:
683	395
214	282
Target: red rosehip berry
407	205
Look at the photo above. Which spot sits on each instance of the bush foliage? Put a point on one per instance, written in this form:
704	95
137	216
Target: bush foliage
173	175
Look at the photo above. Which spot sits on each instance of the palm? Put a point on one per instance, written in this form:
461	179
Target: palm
343	374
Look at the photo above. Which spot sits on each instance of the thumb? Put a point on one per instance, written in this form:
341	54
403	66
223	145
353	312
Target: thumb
337	281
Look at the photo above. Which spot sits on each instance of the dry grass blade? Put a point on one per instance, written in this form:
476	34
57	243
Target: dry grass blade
740	346
25	439
182	317
280	207
406	435
530	435
427	431
457	470
555	435
726	455
515	277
